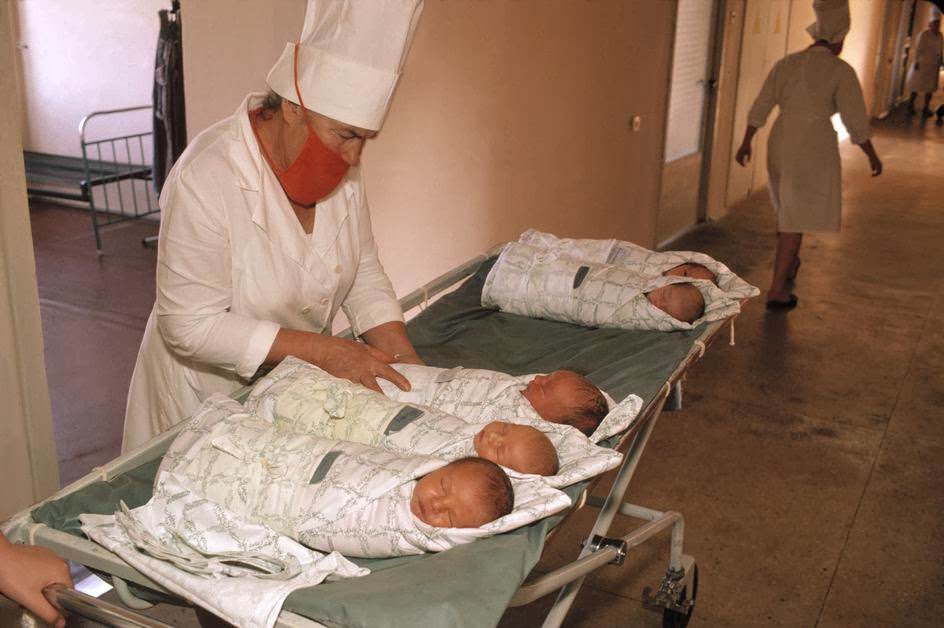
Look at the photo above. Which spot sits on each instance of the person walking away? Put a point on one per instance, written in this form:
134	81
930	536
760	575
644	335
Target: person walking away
923	76
803	151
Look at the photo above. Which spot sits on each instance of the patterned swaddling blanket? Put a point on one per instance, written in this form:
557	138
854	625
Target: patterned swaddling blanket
328	494
302	398
639	259
545	283
480	396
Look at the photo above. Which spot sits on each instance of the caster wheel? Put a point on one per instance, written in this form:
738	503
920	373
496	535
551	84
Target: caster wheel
675	619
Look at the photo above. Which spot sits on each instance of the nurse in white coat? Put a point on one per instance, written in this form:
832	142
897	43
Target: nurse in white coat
803	152
923	76
266	231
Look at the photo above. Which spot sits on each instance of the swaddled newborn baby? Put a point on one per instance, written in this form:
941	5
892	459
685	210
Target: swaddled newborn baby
482	396
681	301
693	270
466	493
329	494
547	284
644	261
319	404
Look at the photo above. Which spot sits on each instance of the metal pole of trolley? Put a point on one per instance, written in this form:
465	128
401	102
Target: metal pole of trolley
72	601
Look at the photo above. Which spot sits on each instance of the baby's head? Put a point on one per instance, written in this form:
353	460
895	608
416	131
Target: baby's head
519	447
466	493
568	398
681	301
693	270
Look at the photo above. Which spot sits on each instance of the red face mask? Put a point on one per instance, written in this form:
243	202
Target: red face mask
316	171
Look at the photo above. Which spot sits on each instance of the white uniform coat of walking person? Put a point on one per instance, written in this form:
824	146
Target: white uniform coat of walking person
923	77
924	72
805	174
266	231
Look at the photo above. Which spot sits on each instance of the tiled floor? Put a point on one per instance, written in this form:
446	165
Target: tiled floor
808	461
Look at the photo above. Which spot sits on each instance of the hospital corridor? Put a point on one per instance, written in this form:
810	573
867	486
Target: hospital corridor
665	350
808	458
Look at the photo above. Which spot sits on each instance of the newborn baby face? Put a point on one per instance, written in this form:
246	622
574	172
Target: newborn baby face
462	494
555	396
695	271
519	447
681	301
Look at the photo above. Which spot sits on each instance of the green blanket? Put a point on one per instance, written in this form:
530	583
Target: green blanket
469	585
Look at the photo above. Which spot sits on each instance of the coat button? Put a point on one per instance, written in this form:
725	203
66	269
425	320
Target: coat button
306	310
337	269
324	301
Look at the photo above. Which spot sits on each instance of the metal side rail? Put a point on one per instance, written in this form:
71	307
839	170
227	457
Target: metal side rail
71	602
599	549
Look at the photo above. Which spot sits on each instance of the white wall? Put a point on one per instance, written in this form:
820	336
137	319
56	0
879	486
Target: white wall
78	56
28	464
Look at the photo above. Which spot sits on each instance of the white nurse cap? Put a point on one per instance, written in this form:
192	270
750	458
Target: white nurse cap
349	58
832	20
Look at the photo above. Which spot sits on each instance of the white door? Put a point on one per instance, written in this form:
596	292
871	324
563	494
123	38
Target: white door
764	42
689	98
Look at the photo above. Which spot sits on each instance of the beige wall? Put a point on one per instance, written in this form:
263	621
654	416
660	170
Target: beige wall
507	117
78	57
28	464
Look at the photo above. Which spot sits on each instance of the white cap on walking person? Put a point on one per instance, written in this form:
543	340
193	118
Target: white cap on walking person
349	58
832	20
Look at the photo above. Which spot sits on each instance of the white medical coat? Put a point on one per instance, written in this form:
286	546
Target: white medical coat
805	177
923	76
234	265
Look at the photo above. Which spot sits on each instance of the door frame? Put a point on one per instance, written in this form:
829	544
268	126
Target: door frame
710	123
706	136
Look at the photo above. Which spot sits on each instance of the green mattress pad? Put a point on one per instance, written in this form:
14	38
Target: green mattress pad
470	585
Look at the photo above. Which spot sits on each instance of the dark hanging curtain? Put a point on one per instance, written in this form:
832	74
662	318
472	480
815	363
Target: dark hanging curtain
170	124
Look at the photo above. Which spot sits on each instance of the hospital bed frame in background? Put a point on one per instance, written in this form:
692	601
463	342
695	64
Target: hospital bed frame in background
105	163
675	595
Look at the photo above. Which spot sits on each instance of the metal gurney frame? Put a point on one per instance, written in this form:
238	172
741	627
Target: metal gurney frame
675	595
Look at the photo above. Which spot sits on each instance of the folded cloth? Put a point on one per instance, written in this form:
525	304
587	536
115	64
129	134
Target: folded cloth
328	494
304	399
240	570
639	259
544	283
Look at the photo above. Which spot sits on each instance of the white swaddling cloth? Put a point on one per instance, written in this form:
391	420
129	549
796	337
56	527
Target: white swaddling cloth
328	494
239	569
293	396
639	259
481	396
304	399
543	283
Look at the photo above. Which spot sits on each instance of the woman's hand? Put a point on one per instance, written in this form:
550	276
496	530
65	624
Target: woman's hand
743	154
25	570
358	362
408	358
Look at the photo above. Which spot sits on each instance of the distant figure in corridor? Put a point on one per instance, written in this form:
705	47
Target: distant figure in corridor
923	76
805	178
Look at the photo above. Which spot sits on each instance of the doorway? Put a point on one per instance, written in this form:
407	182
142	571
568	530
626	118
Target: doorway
690	118
892	66
764	42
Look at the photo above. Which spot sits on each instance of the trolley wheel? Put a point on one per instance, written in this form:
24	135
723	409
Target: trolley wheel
675	619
